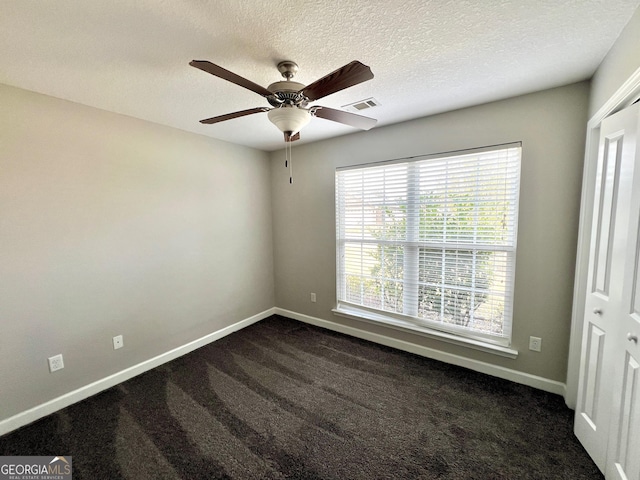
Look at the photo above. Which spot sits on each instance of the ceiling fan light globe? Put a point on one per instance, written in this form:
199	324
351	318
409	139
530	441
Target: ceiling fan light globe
289	119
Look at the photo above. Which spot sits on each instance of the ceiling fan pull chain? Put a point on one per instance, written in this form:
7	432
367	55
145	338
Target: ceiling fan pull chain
286	152
290	164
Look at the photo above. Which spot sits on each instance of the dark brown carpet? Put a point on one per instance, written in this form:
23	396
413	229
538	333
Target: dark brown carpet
282	399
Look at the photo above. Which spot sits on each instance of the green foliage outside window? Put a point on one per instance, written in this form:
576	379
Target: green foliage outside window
453	282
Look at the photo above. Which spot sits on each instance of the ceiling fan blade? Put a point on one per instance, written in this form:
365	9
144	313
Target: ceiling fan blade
214	69
229	116
358	121
351	74
291	138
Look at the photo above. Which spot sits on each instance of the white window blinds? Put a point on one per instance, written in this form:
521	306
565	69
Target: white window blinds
432	240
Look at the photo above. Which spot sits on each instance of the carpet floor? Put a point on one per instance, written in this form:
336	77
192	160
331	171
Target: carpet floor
282	399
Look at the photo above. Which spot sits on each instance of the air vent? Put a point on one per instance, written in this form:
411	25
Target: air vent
362	105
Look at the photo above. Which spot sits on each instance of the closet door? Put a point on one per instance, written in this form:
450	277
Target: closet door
623	459
603	304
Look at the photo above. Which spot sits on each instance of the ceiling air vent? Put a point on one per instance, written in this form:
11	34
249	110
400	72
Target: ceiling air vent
362	105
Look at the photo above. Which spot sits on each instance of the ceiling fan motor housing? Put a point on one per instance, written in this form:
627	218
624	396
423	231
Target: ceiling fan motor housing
286	92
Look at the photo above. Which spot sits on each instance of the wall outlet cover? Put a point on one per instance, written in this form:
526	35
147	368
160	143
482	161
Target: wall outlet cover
56	363
118	342
535	344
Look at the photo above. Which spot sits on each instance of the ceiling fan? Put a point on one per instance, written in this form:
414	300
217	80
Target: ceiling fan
289	100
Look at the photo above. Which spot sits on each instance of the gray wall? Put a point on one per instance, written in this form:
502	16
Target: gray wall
619	64
112	225
551	125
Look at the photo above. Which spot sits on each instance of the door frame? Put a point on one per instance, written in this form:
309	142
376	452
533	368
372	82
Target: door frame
626	95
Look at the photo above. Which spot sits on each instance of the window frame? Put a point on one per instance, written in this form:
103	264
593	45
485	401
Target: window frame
447	332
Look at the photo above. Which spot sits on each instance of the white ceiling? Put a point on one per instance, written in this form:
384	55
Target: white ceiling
428	56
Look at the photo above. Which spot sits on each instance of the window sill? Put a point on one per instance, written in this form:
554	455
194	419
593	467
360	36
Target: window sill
397	324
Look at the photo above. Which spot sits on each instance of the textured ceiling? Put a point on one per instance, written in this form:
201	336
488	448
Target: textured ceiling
428	56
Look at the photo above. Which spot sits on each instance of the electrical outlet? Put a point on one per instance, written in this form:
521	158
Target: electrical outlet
313	298
118	342
535	344
56	363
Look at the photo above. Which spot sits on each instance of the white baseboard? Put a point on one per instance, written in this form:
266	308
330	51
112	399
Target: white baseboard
39	411
534	381
74	396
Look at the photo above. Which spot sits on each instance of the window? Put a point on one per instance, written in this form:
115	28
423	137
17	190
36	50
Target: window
431	241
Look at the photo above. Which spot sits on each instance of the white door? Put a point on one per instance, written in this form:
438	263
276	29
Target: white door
623	459
604	309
